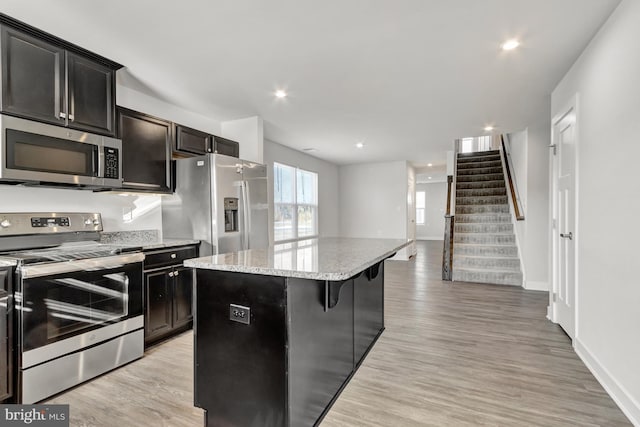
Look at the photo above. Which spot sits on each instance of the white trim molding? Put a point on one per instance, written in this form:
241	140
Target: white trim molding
532	285
629	406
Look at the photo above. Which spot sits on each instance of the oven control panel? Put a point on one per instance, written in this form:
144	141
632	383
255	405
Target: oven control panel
15	224
61	221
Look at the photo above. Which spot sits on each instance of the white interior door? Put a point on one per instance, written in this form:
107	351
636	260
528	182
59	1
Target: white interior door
411	210
564	232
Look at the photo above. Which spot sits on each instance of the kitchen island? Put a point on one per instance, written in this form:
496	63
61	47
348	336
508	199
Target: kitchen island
280	331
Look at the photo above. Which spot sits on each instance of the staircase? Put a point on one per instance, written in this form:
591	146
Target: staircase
484	245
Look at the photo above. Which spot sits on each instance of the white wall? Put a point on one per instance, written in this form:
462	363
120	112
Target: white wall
608	292
373	200
435	208
138	101
119	212
536	246
328	189
249	133
529	155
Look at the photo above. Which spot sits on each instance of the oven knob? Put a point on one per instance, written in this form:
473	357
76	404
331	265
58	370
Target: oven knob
5	223
96	222
88	222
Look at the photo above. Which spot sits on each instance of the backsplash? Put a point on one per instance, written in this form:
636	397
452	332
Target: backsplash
120	212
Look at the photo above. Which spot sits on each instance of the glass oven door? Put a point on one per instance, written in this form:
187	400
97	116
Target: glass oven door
54	306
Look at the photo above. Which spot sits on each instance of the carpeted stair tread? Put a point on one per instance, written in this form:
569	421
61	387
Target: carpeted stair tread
482	200
473	249
485	238
471	185
483	276
481	164
477	171
478	192
474	209
478	159
478	178
483	218
487	263
481	228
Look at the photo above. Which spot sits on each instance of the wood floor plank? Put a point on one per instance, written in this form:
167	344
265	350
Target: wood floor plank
453	354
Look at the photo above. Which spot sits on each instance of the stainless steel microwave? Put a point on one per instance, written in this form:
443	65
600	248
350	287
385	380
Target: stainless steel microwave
33	152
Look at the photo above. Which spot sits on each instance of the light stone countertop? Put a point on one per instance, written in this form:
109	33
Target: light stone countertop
316	259
146	239
8	262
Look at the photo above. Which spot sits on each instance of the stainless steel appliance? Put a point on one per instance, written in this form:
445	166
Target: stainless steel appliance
33	152
219	200
6	334
78	303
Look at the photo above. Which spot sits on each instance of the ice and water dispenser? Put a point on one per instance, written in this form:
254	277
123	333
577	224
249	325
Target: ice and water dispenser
230	214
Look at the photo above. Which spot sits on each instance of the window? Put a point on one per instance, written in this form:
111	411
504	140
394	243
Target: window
295	203
420	205
475	144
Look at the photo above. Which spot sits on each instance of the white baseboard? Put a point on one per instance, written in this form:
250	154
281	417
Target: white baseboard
618	393
430	238
530	285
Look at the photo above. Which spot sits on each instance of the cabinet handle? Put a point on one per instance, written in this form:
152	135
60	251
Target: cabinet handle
71	117
173	256
176	274
171	274
63	115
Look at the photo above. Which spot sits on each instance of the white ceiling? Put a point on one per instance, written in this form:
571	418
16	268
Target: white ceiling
406	77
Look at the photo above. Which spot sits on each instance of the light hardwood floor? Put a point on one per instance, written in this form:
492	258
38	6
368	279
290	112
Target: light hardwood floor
452	355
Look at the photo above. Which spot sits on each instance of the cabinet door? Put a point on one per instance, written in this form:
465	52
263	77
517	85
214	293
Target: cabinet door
368	306
226	147
158	316
182	296
5	329
146	148
91	95
33	77
192	141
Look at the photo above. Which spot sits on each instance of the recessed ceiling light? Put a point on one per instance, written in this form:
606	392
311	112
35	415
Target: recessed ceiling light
510	44
359	145
488	128
429	164
281	94
429	177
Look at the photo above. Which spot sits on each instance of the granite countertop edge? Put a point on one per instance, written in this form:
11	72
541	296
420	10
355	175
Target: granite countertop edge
202	263
145	239
8	262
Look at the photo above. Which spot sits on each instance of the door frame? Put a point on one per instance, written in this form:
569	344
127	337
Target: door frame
571	104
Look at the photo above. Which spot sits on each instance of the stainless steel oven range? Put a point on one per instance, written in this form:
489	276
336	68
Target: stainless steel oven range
78	302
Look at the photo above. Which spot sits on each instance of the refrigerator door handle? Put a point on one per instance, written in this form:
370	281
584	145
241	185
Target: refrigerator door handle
245	211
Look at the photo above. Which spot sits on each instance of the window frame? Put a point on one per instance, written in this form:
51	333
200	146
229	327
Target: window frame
296	205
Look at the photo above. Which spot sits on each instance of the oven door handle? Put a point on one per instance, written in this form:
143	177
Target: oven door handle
90	264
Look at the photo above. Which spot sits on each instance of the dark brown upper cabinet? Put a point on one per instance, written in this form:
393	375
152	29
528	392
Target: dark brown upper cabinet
91	95
33	77
190	141
146	151
226	147
49	80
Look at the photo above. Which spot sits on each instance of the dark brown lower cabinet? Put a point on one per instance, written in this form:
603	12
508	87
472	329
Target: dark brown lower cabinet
277	351
168	293
158	319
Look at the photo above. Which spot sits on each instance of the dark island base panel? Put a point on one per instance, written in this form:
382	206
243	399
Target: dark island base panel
289	363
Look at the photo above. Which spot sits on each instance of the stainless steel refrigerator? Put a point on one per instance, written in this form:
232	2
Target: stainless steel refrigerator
219	200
